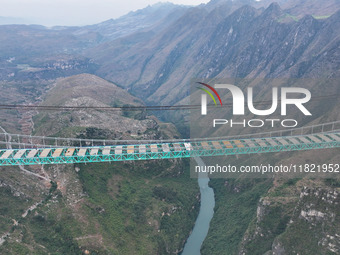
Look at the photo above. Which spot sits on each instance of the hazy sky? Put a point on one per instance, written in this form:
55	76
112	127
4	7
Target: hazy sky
76	12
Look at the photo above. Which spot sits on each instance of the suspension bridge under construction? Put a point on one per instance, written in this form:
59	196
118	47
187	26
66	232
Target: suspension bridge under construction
37	150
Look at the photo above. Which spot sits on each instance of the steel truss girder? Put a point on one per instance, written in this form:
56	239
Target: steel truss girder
166	155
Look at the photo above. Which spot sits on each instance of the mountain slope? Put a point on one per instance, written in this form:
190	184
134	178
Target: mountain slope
87	90
202	44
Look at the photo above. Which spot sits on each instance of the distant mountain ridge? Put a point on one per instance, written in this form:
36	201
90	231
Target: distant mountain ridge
136	21
297	8
202	44
171	44
158	48
13	20
39	47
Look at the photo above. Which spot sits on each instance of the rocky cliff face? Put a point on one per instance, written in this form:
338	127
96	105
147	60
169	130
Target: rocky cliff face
304	224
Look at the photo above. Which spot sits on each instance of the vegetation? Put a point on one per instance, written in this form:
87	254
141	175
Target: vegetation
128	208
44	230
11	207
140	207
236	203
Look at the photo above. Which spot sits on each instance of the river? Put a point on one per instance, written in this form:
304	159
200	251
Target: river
201	228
